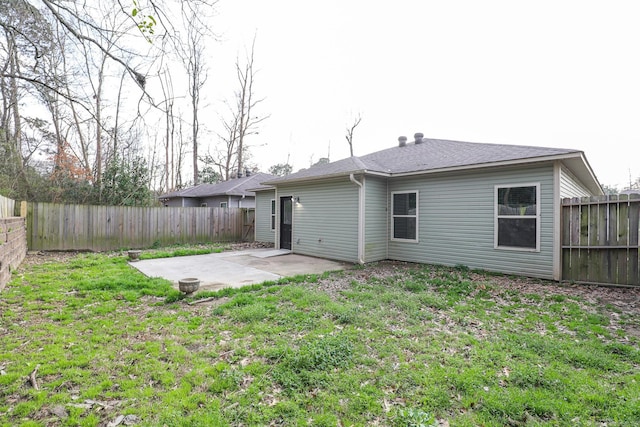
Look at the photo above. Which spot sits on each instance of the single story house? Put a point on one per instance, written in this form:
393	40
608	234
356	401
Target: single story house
233	193
487	206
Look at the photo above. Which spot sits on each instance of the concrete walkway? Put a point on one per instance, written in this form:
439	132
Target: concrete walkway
235	268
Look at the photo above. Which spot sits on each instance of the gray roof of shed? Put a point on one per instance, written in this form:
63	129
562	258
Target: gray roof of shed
430	155
232	187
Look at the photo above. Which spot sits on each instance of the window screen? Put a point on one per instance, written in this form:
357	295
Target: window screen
517	219
405	216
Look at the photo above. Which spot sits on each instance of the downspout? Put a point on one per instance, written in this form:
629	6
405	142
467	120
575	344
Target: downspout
276	238
557	222
360	218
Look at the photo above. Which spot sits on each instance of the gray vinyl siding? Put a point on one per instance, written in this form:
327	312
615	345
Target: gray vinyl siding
174	203
179	202
264	233
214	202
570	186
456	221
233	201
189	202
376	219
325	222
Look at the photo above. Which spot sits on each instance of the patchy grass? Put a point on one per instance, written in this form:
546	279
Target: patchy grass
387	344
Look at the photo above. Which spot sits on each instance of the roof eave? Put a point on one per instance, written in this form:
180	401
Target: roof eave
255	190
594	185
593	174
587	175
318	177
246	193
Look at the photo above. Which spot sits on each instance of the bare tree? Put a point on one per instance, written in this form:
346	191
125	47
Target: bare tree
167	90
83	121
193	58
246	121
349	135
227	157
240	122
80	21
26	38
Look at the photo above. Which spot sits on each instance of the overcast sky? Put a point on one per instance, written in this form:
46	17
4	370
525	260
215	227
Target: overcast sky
557	73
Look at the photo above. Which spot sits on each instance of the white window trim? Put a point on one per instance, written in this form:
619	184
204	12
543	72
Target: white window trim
203	205
496	216
416	216
226	204
273	207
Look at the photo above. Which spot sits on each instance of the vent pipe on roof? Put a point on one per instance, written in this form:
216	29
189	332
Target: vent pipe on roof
418	137
402	141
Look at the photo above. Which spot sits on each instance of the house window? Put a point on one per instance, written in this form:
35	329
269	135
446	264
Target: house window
203	205
404	216
223	204
517	219
273	214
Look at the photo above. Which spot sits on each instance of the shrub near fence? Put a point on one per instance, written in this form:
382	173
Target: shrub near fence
600	241
63	227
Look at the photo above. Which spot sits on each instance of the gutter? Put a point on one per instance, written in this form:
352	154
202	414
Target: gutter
336	175
360	217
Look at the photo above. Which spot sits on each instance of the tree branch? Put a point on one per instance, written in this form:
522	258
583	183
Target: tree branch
139	78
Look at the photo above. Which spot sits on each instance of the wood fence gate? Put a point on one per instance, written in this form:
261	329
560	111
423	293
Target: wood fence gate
600	239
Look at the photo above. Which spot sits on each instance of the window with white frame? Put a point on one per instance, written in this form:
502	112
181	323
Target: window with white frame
273	214
203	205
223	204
517	216
404	216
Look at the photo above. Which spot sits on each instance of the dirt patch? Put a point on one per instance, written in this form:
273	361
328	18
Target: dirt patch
249	245
42	257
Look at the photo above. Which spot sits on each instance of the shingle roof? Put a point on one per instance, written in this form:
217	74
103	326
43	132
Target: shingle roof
233	187
431	154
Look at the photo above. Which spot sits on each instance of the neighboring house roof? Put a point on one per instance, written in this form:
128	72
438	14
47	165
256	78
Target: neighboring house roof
233	187
262	188
435	155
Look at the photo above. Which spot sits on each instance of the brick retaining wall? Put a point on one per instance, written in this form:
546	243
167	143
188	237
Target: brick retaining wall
13	246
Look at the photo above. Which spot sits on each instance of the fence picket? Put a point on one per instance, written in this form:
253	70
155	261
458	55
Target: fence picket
7	207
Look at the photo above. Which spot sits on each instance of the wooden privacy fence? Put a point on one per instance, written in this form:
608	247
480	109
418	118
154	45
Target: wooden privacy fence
7	207
63	227
600	239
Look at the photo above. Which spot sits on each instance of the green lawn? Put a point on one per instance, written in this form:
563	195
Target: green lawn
388	344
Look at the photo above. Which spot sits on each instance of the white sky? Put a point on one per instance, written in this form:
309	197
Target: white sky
547	73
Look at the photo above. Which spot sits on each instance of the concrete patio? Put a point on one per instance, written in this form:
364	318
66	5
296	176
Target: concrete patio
236	268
